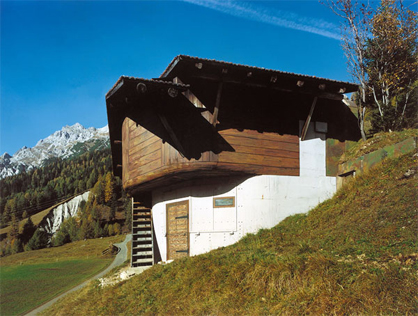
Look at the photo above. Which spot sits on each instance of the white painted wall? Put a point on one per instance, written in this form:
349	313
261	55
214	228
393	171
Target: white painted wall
260	202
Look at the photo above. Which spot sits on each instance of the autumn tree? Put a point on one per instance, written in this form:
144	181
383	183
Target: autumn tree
355	32
14	228
108	189
99	190
381	50
391	63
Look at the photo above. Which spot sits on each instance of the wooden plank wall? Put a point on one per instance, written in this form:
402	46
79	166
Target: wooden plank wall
125	149
144	152
145	156
261	153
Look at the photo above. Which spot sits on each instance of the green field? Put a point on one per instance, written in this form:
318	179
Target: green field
27	286
32	278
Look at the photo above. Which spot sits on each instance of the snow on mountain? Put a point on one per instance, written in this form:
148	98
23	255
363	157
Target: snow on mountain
69	141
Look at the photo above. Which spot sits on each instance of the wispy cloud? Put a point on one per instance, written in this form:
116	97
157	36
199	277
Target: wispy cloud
274	17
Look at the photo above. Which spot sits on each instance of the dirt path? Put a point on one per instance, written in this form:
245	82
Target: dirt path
119	259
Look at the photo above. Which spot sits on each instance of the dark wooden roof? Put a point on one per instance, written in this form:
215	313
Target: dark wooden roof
190	68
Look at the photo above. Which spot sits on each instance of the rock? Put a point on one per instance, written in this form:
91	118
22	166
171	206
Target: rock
56	216
410	173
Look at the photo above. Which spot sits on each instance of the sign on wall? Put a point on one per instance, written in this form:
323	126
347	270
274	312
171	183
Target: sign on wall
224	202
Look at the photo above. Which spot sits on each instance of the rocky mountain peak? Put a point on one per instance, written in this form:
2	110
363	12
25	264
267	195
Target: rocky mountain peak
5	156
69	141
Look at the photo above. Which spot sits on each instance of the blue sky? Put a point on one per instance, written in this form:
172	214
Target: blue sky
59	58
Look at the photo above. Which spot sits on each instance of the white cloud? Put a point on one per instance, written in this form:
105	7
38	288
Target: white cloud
274	17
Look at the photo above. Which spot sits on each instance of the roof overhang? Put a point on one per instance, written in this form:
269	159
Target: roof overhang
192	69
126	96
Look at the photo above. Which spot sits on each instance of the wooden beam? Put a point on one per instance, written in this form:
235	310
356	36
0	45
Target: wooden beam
298	90
217	104
308	120
172	134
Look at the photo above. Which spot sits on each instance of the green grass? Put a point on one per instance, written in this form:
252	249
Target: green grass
32	278
353	254
25	287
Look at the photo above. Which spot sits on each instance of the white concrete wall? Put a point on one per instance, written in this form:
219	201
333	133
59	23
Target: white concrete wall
260	202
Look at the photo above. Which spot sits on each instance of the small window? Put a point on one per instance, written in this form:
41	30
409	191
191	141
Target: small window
224	201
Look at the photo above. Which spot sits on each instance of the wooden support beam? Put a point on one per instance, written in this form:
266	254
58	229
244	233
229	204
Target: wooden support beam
308	120
172	134
298	90
217	104
117	142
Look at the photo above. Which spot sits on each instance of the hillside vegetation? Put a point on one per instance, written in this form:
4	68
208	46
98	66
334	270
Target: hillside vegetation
59	178
104	214
353	254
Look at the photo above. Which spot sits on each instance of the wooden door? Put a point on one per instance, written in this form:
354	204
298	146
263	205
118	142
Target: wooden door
177	230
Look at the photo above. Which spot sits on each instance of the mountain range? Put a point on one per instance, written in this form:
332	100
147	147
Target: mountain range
68	142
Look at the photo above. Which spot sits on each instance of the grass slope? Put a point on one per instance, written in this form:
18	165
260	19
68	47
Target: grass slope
353	254
379	140
32	278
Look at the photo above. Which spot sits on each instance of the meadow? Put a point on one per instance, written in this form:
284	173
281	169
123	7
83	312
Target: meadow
31	278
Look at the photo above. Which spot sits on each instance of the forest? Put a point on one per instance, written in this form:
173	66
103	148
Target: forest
27	193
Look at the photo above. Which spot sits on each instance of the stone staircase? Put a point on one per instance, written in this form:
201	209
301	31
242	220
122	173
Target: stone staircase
142	237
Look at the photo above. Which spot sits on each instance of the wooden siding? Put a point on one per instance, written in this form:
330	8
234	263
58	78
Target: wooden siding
261	153
147	160
125	149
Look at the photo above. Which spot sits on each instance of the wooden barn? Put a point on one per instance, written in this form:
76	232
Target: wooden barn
211	151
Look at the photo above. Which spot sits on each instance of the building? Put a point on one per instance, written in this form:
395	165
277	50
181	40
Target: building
211	151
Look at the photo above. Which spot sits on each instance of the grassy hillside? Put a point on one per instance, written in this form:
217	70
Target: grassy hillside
353	254
31	278
379	140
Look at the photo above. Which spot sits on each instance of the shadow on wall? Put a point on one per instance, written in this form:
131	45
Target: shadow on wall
210	187
179	123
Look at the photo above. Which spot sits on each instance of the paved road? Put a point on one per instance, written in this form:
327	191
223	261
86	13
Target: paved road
120	258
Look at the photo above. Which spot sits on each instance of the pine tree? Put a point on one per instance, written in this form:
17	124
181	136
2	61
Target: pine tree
39	240
14	229
28	230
